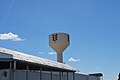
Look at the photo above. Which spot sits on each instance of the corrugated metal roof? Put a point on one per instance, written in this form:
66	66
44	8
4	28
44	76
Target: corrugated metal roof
33	59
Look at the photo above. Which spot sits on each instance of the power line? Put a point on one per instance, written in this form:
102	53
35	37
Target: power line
8	13
109	77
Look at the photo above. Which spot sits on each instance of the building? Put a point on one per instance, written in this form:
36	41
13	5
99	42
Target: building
20	66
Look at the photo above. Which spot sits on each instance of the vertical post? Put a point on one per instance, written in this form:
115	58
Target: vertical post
10	68
27	70
51	74
87	77
14	70
73	75
40	73
102	77
60	76
67	76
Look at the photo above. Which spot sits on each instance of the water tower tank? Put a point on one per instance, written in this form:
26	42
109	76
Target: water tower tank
59	42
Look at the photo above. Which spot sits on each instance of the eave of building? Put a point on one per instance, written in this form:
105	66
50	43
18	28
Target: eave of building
10	55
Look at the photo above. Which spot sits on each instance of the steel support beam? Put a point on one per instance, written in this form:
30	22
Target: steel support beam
51	74
60	76
27	72
67	76
14	70
10	70
40	73
73	75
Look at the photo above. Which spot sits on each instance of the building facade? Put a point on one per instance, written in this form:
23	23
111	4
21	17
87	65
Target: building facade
20	66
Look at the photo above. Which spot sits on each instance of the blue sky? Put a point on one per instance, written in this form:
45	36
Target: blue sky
93	26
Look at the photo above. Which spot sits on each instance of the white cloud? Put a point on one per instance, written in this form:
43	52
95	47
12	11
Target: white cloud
10	36
41	52
52	53
73	60
97	68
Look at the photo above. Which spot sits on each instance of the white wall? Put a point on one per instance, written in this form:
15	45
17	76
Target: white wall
35	75
94	78
81	77
85	77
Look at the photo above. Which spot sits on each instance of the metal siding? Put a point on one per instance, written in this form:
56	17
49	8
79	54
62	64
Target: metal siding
20	75
3	55
1	74
34	75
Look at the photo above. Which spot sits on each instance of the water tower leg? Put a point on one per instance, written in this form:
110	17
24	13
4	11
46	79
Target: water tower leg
59	57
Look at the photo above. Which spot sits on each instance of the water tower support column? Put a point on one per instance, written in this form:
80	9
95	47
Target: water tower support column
59	57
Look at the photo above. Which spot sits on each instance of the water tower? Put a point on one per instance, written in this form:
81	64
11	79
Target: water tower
59	42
